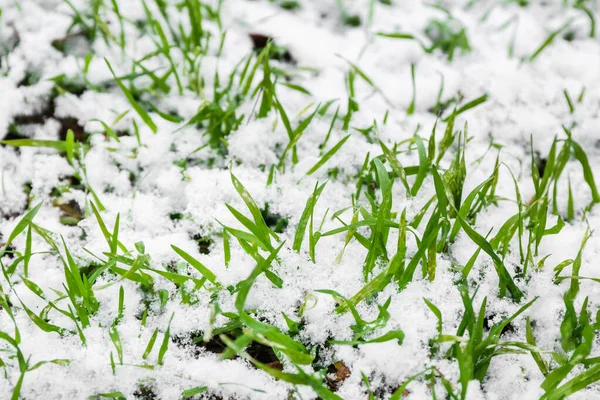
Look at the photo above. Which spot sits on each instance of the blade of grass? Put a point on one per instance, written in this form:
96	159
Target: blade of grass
136	106
548	41
328	155
308	211
198	266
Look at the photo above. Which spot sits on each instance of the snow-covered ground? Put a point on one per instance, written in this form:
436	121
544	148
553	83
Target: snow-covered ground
200	106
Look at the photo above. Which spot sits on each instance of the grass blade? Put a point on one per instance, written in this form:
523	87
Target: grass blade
165	343
328	155
141	112
505	278
308	211
198	266
20	227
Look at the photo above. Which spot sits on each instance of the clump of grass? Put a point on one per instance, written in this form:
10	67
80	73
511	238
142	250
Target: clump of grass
363	329
475	353
447	36
73	150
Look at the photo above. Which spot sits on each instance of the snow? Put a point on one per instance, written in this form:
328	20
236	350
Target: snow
145	186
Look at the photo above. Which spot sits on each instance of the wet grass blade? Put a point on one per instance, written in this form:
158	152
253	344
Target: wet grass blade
379	232
244	286
194	391
265	231
465	207
51	144
116	339
471	104
505	278
141	112
570	205
396	35
165	343
20	227
447	139
411	107
569	102
396	166
328	155
536	356
297	88
588	175
423	166
198	266
548	41
306	214
150	344
574	385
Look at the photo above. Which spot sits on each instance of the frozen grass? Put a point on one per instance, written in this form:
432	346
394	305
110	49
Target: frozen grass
299	199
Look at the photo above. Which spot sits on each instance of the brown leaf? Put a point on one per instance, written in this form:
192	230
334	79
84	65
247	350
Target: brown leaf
337	373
